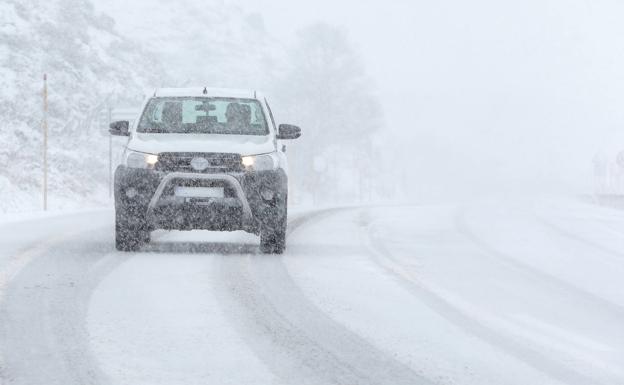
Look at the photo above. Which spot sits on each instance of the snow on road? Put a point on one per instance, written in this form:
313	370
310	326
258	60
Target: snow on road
527	291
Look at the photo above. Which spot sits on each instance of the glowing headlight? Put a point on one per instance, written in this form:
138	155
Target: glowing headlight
141	160
248	161
260	162
151	159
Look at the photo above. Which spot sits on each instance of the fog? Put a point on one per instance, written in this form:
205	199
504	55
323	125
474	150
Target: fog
408	100
486	95
321	192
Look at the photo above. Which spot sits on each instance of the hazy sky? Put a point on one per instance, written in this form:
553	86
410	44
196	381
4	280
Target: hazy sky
487	90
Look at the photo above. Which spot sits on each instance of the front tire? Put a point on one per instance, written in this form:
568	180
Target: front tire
273	242
130	237
273	234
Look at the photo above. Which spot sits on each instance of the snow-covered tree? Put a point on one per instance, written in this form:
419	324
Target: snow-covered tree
327	91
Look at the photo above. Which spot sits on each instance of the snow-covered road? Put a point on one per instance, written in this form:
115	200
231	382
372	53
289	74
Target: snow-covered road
522	291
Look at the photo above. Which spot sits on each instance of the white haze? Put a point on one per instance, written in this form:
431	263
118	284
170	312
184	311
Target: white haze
473	112
429	99
486	95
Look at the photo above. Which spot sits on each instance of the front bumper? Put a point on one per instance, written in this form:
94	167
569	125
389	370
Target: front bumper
148	195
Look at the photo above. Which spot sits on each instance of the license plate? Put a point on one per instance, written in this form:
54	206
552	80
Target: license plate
199	192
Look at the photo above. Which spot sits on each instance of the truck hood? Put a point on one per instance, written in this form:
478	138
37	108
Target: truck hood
235	144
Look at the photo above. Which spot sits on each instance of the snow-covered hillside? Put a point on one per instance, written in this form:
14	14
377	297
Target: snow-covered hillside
89	67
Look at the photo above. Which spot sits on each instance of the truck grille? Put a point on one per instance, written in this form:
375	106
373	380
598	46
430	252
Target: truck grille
181	162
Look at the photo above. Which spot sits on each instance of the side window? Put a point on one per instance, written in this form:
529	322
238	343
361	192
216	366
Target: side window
270	114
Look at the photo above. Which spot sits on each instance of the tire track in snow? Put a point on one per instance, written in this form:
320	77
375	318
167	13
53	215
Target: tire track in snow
586	299
17	262
540	362
43	334
13	266
619	256
296	340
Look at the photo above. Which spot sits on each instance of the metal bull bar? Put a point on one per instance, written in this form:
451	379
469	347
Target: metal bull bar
230	180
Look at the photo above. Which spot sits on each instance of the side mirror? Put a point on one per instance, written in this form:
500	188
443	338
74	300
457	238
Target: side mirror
120	128
288	131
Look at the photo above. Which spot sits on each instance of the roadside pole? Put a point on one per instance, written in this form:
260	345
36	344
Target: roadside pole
45	142
110	156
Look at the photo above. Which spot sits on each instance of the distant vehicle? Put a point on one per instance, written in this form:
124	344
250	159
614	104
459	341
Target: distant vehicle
609	173
203	159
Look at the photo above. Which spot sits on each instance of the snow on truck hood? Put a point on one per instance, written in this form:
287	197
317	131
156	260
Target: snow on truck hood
236	144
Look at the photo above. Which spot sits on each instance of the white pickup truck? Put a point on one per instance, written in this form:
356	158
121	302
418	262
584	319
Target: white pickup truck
200	158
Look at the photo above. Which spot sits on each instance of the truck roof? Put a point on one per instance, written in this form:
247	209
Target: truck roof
207	92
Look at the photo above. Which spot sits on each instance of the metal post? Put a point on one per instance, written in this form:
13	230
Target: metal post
110	156
45	142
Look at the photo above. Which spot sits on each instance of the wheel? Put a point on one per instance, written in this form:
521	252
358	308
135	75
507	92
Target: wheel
273	242
130	236
273	234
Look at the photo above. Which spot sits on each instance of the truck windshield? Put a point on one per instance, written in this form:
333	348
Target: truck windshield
203	116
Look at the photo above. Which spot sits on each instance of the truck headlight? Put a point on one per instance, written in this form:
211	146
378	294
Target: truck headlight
141	160
264	162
